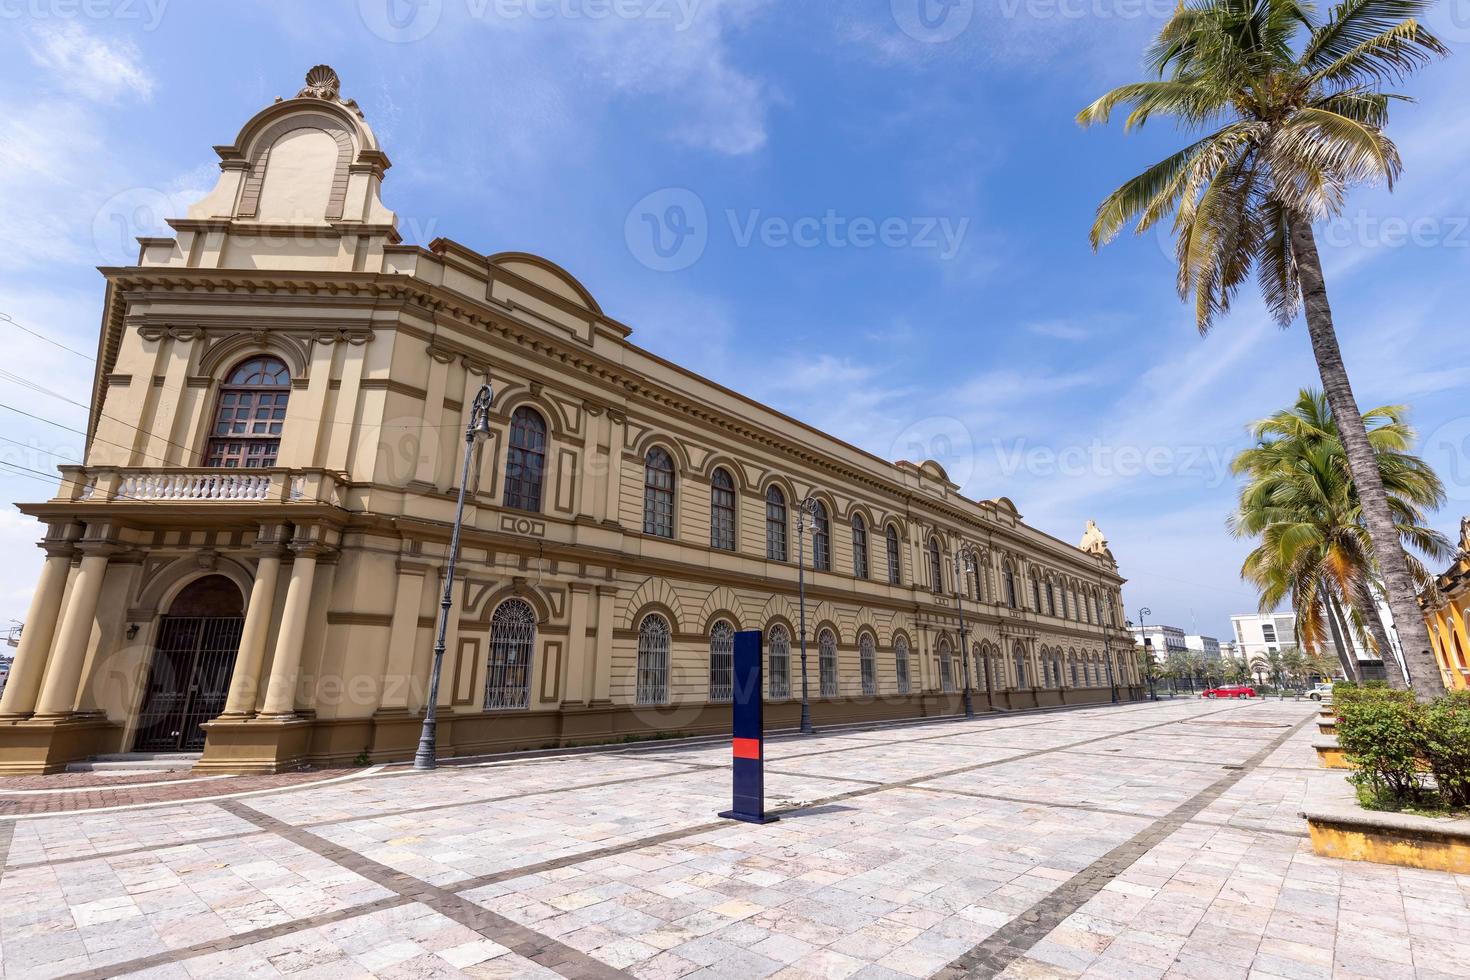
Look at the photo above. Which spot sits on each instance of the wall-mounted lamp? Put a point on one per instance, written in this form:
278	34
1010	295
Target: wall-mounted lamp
132	631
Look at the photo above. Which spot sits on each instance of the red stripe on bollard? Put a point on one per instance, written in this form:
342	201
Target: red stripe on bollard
747	748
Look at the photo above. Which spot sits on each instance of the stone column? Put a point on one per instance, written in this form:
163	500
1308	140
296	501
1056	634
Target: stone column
69	655
29	666
579	659
280	694
602	671
616	431
398	676
245	681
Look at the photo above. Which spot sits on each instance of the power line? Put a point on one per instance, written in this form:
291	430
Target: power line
55	343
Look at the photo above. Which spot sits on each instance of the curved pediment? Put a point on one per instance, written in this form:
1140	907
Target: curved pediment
548	275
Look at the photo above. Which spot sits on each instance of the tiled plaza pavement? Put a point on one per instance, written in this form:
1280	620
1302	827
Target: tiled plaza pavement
1141	840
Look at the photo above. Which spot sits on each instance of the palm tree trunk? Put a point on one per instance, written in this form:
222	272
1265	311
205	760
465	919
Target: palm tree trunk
1363	465
1344	652
1367	608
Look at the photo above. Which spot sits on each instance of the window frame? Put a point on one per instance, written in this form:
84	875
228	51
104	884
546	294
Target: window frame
895	556
659	516
652	676
501	694
859	547
723	519
777	529
515	495
217	452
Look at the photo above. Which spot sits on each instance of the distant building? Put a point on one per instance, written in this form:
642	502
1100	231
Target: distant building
1160	641
1230	650
1258	634
1206	646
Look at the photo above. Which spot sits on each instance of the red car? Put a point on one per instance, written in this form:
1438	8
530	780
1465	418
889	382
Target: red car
1237	691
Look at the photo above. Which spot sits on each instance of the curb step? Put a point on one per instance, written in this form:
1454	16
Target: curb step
137	762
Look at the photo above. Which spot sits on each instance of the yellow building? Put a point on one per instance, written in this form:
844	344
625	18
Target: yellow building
1449	619
249	563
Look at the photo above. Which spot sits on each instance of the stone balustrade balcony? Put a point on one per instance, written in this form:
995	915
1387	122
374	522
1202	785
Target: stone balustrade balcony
203	485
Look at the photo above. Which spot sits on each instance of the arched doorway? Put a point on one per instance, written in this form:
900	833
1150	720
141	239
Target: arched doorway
189	677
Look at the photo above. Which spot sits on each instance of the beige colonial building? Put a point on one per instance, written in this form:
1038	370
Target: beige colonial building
250	561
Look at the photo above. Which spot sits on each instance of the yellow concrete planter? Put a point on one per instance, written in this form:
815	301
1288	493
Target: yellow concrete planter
1330	755
1327	726
1352	834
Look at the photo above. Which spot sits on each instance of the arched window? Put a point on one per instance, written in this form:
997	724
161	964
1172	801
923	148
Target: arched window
1084	611
1051	600
821	538
525	460
658	493
895	564
778	663
721	660
1035	592
722	510
653	660
946	666
512	644
1019	656
867	664
901	664
827	662
1072	667
982	675
859	547
1062	599
1009	574
1097	607
936	572
250	415
775	524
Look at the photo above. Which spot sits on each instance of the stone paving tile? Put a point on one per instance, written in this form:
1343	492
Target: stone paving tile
941	836
102	833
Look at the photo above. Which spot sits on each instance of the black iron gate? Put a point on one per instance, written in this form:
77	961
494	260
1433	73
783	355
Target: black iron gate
188	682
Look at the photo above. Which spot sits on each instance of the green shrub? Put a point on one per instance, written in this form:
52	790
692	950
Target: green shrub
1445	745
1380	731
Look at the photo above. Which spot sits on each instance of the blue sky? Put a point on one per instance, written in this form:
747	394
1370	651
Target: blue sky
872	216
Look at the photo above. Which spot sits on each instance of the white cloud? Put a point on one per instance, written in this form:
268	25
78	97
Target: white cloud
97	69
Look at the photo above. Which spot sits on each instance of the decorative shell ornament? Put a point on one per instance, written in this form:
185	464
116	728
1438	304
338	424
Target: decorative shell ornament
322	83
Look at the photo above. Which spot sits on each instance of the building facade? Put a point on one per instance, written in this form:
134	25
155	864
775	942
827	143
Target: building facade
1206	646
250	561
1448	616
1161	642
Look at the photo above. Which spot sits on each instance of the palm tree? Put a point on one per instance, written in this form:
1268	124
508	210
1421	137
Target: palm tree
1300	105
1300	500
1294	664
1260	666
1237	671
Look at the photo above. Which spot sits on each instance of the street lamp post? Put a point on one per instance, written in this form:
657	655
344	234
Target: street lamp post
806	514
1143	612
475	430
964	563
